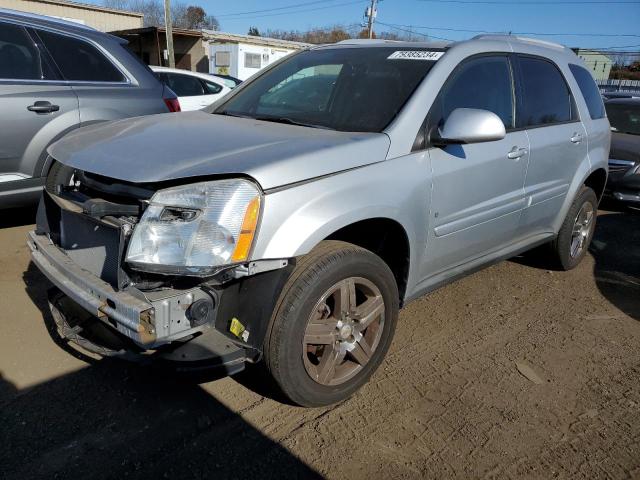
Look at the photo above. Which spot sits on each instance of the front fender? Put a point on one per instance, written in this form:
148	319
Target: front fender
297	218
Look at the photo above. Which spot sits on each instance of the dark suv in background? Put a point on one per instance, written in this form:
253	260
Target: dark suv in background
56	76
624	157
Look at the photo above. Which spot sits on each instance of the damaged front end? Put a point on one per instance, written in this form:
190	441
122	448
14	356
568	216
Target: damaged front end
195	311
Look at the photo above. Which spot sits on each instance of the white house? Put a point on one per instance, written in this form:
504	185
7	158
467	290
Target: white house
243	55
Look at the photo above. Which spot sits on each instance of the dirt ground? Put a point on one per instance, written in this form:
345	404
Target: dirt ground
449	401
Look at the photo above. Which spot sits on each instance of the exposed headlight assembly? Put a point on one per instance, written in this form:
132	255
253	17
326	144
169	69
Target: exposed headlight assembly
195	229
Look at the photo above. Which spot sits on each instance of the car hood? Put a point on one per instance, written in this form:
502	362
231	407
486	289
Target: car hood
171	146
625	146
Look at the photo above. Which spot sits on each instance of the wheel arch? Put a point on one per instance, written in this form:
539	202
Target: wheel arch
597	181
386	238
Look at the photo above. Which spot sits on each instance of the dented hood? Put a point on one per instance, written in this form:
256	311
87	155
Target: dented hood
171	146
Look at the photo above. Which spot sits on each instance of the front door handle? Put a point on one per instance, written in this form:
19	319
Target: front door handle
42	106
516	153
576	138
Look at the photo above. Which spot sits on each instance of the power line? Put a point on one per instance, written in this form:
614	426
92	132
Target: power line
285	7
524	2
572	34
296	11
412	32
595	51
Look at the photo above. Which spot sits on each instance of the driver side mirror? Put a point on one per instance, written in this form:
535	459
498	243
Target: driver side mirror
469	125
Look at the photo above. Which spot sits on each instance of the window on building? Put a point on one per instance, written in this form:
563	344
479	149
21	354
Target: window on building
483	83
79	60
19	58
589	91
546	98
252	60
223	59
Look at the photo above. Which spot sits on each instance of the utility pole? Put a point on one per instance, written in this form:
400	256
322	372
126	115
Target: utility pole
371	13
169	33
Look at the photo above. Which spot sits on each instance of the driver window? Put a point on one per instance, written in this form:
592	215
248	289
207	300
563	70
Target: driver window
483	83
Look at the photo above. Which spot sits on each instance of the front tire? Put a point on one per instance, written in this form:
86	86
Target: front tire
572	242
332	325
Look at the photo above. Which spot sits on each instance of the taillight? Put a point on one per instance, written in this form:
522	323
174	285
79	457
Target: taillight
172	104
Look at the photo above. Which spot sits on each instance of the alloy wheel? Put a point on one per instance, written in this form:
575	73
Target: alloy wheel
581	229
343	331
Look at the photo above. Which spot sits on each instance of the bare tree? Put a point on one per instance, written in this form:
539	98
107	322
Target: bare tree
117	4
183	16
316	35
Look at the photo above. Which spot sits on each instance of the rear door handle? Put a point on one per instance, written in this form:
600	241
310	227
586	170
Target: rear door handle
576	138
42	106
517	153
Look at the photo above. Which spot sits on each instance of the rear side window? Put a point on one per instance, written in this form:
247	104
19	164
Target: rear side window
211	87
184	85
79	60
589	91
484	83
20	59
545	96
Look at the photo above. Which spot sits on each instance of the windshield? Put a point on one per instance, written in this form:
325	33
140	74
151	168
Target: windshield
346	89
624	118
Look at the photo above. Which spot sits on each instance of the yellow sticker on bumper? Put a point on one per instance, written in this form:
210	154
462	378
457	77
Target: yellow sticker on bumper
236	327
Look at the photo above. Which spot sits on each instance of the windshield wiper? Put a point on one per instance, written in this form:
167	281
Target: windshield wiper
290	121
233	114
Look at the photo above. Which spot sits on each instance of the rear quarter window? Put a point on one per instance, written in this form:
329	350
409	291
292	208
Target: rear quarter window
589	91
184	85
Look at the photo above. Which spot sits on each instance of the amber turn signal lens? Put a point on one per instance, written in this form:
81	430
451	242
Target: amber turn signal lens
249	224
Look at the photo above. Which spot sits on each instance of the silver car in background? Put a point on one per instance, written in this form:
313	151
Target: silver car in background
290	222
56	76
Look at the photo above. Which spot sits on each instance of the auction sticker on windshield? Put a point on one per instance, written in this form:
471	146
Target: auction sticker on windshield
415	55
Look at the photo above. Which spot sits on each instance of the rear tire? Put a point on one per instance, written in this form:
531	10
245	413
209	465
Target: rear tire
574	237
332	325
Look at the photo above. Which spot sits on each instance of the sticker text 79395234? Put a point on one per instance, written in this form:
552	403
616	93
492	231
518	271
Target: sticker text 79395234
415	55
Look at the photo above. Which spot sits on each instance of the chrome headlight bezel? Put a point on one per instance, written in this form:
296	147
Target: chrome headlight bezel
197	229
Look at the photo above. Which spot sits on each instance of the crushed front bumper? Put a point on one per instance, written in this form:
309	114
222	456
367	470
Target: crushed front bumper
157	322
148	319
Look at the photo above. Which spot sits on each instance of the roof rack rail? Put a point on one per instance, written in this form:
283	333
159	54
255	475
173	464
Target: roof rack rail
355	41
511	38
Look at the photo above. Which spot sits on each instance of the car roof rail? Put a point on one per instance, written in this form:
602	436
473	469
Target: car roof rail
356	41
515	38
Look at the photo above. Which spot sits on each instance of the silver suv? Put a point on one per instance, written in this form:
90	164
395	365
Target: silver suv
54	77
291	222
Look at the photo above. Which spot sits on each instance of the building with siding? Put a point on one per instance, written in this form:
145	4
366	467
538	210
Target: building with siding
243	55
150	44
597	62
208	51
100	18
